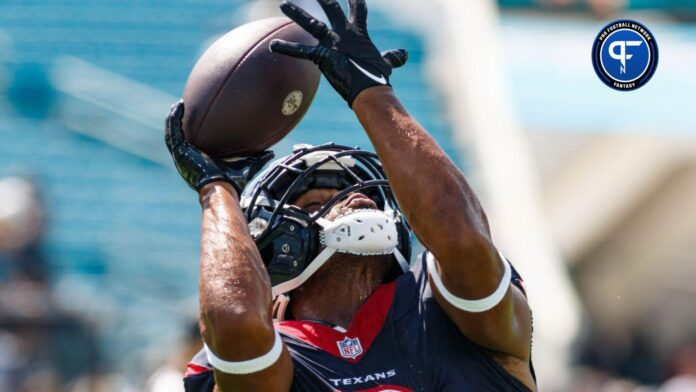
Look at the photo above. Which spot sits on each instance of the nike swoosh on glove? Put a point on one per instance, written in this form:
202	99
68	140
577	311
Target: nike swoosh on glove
345	54
199	169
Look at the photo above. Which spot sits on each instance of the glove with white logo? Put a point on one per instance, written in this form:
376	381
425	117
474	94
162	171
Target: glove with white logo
199	169
345	55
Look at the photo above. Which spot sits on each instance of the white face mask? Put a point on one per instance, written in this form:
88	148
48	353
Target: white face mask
361	232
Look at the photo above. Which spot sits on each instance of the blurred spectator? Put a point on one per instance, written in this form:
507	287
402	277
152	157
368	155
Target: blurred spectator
10	360
682	370
169	377
21	215
40	345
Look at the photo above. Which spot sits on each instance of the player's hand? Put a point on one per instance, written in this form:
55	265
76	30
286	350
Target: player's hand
239	170
197	168
345	54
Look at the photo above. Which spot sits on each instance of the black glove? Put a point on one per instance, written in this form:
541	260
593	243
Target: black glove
345	55
197	168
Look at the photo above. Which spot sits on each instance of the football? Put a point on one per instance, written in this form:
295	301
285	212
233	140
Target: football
241	98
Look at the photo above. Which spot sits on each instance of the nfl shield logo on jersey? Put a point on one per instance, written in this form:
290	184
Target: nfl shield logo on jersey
350	348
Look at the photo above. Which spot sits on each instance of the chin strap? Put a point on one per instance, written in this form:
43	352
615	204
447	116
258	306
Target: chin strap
474	306
295	282
280	304
361	232
401	260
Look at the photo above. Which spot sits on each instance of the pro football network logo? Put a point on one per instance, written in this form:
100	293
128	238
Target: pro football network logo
624	55
350	348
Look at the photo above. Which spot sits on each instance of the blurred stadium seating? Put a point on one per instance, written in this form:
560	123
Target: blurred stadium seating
85	86
123	228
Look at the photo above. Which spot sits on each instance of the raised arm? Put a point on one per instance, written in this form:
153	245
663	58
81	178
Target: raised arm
235	296
447	217
234	288
437	200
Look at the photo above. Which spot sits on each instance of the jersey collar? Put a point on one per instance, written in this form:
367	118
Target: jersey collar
363	330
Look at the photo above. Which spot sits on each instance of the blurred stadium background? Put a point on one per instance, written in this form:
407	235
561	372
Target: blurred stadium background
590	191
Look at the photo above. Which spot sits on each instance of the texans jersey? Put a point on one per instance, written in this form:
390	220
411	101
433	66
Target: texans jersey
400	340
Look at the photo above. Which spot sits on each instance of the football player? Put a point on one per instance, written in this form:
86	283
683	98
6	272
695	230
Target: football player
305	283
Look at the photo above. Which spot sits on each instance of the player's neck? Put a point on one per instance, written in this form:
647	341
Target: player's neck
335	292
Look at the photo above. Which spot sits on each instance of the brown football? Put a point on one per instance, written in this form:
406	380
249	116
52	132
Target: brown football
240	97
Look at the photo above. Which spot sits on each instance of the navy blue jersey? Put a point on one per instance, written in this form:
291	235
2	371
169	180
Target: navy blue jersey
400	340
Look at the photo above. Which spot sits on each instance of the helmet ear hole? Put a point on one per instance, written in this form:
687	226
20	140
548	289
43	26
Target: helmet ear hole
289	241
284	251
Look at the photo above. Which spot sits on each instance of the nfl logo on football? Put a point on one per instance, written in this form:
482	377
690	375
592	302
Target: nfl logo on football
350	348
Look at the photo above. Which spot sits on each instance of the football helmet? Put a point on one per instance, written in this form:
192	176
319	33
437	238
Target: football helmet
294	243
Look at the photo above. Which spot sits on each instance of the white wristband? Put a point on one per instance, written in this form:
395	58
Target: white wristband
474	306
249	366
